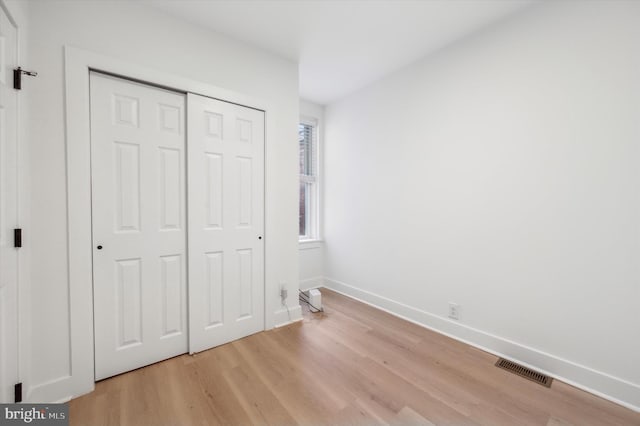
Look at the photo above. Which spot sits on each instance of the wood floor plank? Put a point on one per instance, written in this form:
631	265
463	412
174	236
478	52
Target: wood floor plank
408	416
351	365
260	404
215	392
356	413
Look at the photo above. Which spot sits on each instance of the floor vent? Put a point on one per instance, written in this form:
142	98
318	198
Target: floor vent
525	372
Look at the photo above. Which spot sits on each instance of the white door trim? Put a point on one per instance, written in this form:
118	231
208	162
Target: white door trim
78	62
10	203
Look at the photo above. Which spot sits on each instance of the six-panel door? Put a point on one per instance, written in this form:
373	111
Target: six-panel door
138	169
226	221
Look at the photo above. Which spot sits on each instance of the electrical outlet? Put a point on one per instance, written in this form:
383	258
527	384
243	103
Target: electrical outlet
454	311
284	293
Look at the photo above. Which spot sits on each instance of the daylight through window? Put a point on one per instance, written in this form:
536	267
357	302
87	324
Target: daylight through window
308	181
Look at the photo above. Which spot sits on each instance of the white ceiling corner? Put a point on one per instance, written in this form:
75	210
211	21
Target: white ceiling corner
343	45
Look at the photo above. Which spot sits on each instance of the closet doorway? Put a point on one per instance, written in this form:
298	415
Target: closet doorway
177	222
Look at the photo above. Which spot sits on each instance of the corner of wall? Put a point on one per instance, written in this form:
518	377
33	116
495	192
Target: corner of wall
287	316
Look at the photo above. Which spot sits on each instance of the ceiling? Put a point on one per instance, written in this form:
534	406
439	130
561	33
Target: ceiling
344	45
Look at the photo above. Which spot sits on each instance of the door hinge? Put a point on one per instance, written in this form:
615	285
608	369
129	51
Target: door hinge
17	392
17	237
17	77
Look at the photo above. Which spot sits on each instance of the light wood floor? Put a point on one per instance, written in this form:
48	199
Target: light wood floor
351	365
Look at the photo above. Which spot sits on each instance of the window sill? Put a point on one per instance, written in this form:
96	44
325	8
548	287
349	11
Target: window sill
310	244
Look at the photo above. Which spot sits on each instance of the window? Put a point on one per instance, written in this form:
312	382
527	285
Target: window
308	208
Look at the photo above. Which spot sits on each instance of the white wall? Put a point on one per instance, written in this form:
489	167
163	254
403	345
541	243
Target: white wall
149	38
311	264
311	253
502	174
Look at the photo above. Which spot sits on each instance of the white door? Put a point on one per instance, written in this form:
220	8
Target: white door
139	224
226	221
8	211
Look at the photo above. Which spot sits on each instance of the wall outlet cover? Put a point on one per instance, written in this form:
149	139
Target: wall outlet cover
454	311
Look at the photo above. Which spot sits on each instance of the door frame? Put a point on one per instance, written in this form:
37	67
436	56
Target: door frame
78	63
19	207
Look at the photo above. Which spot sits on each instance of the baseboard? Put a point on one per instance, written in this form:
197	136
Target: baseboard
283	317
311	283
612	388
49	392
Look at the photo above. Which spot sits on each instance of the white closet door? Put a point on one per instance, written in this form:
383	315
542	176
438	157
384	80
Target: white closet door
8	211
226	221
139	224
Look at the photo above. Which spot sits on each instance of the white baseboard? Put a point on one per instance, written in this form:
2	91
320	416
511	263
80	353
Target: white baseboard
49	392
311	283
283	317
612	388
